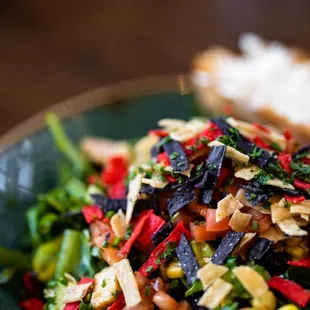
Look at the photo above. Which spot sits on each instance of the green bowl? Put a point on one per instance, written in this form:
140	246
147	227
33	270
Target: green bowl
28	160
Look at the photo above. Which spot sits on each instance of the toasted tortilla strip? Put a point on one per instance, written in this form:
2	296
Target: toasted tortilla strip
273	234
247	173
143	148
251	280
118	223
232	153
241	197
127	282
171	124
279	212
216	293
300	208
155	181
305	217
247	238
226	207
133	193
75	292
239	221
290	228
209	273
279	183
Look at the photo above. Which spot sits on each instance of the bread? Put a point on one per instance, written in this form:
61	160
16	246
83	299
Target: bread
267	82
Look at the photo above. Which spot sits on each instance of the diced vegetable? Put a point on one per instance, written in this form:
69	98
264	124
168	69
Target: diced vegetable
92	213
212	225
209	273
200	234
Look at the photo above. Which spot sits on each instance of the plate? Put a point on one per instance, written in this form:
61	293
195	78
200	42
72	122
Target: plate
29	159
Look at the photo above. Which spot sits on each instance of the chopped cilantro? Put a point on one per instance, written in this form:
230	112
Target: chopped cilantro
301	171
287	204
115	293
174	155
274	145
170	247
211	167
255	225
116	242
228	140
199	168
204	140
149	269
147	290
104	283
180	179
158	261
256	152
161	178
109	214
234	131
128	232
105	244
252	196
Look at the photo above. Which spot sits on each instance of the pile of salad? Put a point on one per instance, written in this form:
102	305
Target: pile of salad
205	214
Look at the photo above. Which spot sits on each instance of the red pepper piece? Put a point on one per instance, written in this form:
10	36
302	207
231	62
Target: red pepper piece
211	133
301	184
119	304
72	306
285	162
136	232
114	171
156	258
287	134
152	224
261	127
86	280
117	190
92	213
291	290
294	199
32	304
163	158
305	161
260	143
171	179
305	262
32	285
158	132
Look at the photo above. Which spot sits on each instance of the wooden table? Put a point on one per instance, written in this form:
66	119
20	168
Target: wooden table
51	50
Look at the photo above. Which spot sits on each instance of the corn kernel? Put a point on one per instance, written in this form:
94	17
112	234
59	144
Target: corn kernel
288	307
174	271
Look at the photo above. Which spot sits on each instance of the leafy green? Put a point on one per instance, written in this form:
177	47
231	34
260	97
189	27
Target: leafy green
228	140
195	288
256	152
301	171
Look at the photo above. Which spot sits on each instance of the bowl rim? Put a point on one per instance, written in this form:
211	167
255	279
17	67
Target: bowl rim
101	96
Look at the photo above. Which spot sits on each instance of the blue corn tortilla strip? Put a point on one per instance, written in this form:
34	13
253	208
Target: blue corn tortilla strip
274	262
227	245
254	193
193	301
187	260
162	234
244	144
180	198
177	156
147	189
214	166
260	248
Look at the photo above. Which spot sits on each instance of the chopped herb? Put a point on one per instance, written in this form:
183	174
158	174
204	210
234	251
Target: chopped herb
170	247
262	178
158	261
109	214
180	179
116	242
199	168
204	140
128	232
255	225
115	293
228	140
104	283
234	131
131	175
174	155
105	244
274	145
252	196
287	204
147	290
256	152
149	269
174	217
211	166
161	178
301	171
141	170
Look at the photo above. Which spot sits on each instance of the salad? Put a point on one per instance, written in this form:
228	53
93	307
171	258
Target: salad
205	214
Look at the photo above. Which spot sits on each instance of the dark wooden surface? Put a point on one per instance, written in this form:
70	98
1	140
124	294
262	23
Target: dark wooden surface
51	50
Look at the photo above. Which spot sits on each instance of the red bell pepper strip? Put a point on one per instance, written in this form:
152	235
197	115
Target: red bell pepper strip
287	134
152	224
86	280
305	262
260	143
72	306
114	171
261	127
158	132
163	158
294	199
224	174
171	179
92	213
305	161
211	133
290	290
136	232
285	162
119	304
31	284
157	256
302	185
117	190
32	304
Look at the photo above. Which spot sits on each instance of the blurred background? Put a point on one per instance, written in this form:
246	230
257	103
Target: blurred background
51	50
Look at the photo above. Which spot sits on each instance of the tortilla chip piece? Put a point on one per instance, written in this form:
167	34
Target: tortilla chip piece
209	273
127	282
305	217
241	248
76	292
279	183
118	223
251	280
239	221
171	124
216	293
232	153
290	228
273	234
133	193
300	208
247	173
279	212
226	207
